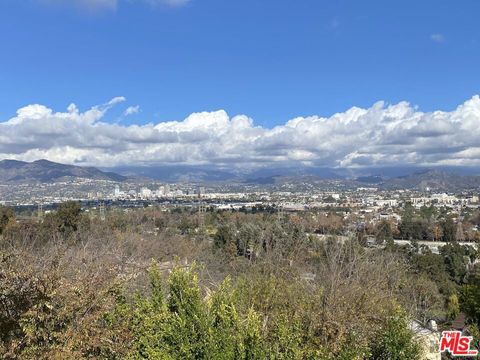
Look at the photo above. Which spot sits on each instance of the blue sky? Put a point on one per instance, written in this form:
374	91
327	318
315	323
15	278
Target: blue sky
241	84
270	59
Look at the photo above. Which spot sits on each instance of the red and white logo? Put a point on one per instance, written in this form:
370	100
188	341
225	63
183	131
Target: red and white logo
456	344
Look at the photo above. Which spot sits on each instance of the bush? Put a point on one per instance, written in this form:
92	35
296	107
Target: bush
396	341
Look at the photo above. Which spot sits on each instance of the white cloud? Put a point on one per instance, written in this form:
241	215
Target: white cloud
382	135
115	101
131	110
438	38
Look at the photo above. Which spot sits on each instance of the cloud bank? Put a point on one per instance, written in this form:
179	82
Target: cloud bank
382	135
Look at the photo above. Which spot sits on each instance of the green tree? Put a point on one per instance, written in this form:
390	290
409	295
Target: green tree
225	238
470	301
6	216
453	307
182	325
383	231
456	259
449	229
69	216
249	236
396	342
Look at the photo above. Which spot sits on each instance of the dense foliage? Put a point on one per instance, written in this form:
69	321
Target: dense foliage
158	284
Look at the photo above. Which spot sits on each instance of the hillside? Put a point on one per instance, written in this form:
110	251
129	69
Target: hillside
435	180
12	171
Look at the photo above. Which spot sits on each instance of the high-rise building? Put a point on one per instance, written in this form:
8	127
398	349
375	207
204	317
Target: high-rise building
145	193
161	191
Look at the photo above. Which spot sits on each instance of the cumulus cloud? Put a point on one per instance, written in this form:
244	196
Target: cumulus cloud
381	135
131	110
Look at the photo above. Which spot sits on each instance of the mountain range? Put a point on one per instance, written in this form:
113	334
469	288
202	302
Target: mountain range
13	171
44	171
436	180
426	180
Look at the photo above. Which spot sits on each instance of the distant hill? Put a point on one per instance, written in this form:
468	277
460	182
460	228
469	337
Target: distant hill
284	179
373	179
212	174
177	173
12	171
435	180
